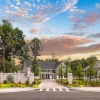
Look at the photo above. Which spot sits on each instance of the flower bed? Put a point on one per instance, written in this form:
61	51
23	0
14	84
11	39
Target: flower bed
21	85
79	83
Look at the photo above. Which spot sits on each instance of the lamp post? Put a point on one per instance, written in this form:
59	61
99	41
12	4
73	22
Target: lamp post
61	73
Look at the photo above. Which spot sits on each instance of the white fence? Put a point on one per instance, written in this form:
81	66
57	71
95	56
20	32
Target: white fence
17	77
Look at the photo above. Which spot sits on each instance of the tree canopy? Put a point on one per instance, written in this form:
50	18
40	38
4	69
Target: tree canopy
11	42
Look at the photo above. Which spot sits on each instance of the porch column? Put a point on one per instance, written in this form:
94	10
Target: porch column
53	76
44	76
48	76
85	75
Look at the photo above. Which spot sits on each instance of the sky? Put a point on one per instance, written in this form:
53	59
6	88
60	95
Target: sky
67	28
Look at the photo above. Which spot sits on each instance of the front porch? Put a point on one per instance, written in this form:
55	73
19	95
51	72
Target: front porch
97	77
45	75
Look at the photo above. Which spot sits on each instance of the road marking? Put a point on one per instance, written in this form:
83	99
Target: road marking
60	89
47	89
54	89
67	89
40	89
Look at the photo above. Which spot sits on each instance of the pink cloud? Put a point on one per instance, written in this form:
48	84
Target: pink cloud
85	21
34	30
63	45
66	45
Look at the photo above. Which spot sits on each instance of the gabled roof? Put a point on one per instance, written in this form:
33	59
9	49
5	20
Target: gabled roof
97	65
48	65
42	64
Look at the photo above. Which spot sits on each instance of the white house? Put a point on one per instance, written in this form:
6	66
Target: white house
48	69
97	68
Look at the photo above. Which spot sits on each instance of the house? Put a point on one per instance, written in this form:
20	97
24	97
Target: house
48	69
97	68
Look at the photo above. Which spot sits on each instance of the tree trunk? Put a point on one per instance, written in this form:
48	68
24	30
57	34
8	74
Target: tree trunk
14	58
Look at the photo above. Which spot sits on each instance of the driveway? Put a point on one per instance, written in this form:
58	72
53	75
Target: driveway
50	84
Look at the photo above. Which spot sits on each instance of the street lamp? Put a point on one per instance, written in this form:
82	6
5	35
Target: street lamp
61	73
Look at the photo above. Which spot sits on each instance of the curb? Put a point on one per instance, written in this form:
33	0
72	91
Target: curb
13	91
86	90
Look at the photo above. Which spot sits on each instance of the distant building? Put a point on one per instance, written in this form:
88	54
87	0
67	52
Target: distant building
97	68
48	69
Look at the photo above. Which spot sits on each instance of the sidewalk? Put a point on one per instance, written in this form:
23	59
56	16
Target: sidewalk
90	89
8	90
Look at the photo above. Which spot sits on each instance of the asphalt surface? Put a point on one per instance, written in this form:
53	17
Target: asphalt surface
51	95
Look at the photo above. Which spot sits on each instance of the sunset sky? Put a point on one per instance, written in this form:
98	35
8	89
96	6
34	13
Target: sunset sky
67	28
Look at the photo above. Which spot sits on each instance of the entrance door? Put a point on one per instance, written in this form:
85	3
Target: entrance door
50	76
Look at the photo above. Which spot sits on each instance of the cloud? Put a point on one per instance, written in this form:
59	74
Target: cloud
97	5
94	35
34	30
76	33
39	12
74	9
66	45
9	2
38	0
92	17
63	45
17	12
68	4
6	7
17	2
80	23
28	4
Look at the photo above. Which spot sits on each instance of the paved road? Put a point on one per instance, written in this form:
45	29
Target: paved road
50	95
51	91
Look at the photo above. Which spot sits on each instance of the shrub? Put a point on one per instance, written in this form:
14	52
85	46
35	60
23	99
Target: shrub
58	81
4	85
76	85
81	85
35	86
5	82
12	84
37	81
27	82
69	85
78	82
21	85
95	83
64	81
